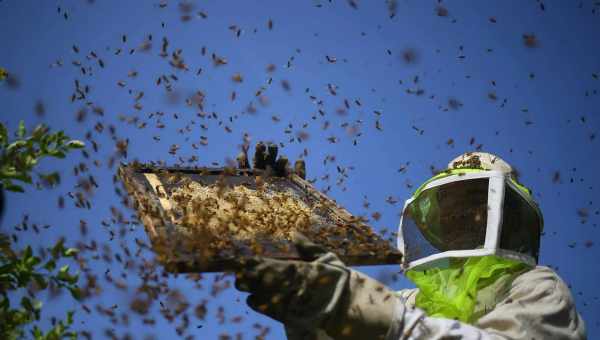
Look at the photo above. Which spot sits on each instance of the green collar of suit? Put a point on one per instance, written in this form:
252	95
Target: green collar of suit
467	289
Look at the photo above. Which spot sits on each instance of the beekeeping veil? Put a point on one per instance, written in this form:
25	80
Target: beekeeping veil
467	226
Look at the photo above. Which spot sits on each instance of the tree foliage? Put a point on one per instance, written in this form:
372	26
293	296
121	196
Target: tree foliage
25	270
19	157
22	273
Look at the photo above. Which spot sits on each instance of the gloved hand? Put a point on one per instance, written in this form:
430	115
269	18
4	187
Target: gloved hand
265	158
318	292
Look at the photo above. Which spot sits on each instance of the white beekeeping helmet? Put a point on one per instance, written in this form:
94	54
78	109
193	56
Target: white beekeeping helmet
474	208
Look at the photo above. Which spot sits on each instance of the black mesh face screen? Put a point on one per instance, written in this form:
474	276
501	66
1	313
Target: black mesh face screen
520	225
452	216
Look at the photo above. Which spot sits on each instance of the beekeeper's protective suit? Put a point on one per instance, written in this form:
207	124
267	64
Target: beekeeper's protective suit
470	241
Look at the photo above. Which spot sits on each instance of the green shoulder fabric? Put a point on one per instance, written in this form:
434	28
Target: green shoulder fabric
452	292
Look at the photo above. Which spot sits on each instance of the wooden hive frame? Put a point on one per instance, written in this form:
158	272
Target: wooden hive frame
349	237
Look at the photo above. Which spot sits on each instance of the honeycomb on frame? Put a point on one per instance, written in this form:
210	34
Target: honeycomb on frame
210	219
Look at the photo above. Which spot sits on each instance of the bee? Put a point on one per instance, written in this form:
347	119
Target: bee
441	11
530	40
237	78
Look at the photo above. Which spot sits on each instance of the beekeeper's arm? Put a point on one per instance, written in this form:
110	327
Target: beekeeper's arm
320	292
346	304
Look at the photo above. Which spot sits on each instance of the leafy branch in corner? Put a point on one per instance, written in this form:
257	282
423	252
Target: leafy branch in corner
22	273
25	270
17	158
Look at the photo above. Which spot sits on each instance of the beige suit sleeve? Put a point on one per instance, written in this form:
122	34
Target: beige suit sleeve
538	306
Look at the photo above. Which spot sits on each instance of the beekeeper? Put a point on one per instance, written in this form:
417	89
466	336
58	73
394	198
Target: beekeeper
470	241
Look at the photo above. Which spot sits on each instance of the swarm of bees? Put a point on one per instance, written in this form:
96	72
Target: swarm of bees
199	220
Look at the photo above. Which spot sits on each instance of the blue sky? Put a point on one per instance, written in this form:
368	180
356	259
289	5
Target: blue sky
544	119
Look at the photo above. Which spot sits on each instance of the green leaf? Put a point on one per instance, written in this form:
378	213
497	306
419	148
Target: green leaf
31	161
28	253
26	303
13	187
8	172
4	304
64	276
33	261
75	144
3	135
40	280
63	270
23	176
50	265
37	333
58	248
15	145
21	129
71	279
70	252
39	132
75	293
56	153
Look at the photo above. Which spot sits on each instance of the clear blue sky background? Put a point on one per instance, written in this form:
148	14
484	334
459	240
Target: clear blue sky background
545	118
